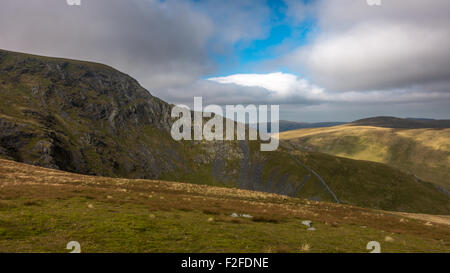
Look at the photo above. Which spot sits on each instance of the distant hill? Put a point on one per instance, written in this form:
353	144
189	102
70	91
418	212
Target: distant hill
402	123
424	152
285	125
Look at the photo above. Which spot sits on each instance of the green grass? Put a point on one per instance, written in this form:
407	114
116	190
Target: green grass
109	227
42	210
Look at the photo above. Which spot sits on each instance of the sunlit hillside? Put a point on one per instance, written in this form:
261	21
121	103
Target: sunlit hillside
422	152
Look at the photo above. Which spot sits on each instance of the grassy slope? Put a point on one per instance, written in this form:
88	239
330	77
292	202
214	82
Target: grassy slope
376	185
423	152
41	210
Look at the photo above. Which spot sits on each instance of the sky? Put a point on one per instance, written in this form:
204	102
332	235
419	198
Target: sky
323	60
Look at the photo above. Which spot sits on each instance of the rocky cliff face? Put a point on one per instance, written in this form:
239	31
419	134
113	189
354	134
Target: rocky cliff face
59	113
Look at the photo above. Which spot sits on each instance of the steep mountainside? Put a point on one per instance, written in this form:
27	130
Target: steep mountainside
422	152
89	118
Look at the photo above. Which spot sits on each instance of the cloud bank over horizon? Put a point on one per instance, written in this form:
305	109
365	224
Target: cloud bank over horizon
320	60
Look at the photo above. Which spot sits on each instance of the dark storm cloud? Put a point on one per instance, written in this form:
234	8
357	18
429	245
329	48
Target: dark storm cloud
161	43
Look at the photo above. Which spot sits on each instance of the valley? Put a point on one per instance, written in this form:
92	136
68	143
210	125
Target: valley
423	152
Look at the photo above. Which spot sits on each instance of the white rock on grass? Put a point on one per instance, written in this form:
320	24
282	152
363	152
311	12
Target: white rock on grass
307	223
235	215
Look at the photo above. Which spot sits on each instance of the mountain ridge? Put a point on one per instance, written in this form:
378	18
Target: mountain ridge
286	125
402	123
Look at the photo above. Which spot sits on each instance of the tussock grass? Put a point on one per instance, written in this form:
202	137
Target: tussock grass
266	219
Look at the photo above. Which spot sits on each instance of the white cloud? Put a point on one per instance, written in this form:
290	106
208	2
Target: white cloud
380	56
280	84
361	48
286	88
